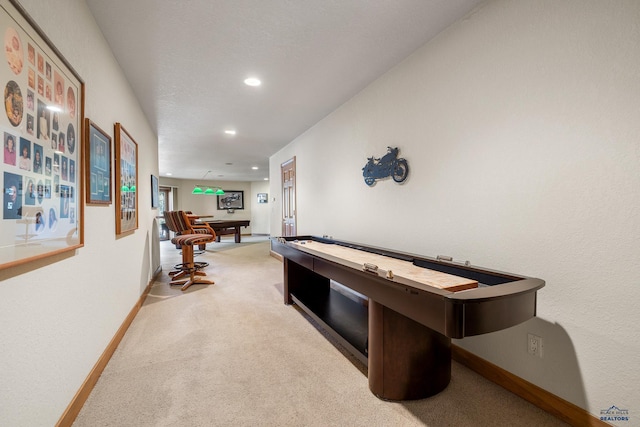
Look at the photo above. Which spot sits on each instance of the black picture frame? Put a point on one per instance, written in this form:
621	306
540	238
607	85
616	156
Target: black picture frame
231	200
155	191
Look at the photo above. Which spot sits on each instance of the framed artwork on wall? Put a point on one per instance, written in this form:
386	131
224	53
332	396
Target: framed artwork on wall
231	200
126	182
42	213
155	191
97	145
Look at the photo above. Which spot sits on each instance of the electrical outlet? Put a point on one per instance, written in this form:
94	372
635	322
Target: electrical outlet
534	345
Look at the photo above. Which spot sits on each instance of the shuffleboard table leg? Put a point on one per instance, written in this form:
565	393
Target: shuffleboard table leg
407	360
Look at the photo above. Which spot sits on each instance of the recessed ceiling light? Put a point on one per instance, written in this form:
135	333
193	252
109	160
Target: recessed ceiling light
255	168
230	132
168	174
252	81
266	179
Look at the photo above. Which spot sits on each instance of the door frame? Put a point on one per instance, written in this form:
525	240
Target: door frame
289	165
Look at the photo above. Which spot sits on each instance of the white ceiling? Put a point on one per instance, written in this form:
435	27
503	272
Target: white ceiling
186	61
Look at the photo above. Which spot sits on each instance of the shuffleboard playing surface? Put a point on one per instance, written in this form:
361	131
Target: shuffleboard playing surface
398	267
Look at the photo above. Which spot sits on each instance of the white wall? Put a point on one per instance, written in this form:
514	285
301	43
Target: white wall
58	315
260	212
520	125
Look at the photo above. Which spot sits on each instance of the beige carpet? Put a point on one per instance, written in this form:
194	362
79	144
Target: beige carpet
232	354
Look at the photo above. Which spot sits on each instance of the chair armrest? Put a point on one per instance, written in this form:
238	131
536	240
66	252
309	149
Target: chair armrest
203	228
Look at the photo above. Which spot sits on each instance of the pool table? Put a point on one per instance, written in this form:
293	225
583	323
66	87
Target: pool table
231	226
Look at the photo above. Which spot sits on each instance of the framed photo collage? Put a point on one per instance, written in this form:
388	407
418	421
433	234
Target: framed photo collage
45	137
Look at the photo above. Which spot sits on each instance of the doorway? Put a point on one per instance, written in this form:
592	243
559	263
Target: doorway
164	204
288	174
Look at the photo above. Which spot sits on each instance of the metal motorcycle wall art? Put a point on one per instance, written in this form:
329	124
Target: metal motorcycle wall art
390	165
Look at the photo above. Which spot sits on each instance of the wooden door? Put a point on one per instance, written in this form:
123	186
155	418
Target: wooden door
288	174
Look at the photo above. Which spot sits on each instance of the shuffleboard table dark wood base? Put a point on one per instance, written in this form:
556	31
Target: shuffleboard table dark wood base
403	332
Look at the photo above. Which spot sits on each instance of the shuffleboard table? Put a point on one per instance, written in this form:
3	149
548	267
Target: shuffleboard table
410	307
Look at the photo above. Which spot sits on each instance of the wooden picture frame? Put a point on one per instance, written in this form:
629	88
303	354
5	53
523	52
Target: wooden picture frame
97	146
43	203
231	200
126	182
